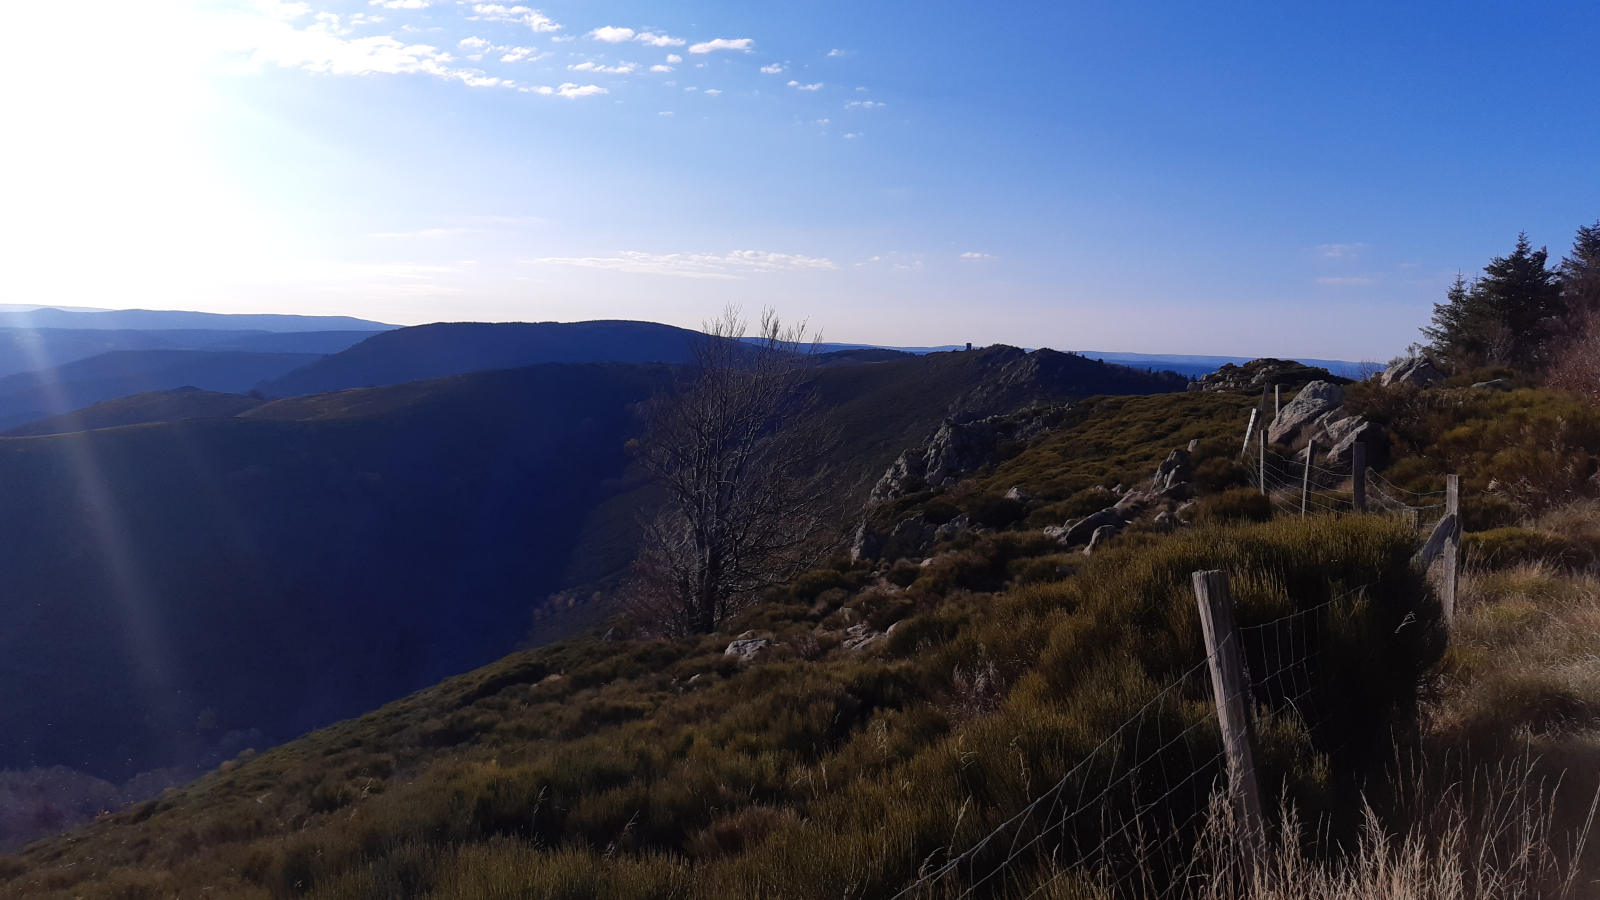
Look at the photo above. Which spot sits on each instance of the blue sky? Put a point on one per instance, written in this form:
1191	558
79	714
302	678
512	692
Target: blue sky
1232	178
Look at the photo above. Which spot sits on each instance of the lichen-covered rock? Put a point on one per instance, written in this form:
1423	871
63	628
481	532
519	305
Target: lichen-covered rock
1415	370
1314	401
1100	536
1082	530
1173	470
747	650
1371	434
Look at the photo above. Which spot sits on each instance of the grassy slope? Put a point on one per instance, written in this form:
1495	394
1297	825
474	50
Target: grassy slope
595	769
141	409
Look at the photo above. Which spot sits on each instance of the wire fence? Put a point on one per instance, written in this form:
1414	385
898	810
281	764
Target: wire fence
1324	485
1137	801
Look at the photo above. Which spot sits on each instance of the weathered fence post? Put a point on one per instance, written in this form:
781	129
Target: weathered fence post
1249	431
1358	476
1305	483
1263	473
1277	400
1452	545
1225	658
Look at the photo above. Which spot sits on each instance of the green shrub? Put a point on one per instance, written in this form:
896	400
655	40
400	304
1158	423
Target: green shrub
1231	506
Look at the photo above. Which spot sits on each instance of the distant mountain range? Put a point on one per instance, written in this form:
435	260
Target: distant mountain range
33	349
13	316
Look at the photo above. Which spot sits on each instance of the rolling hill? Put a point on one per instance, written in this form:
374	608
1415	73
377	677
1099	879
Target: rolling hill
455	348
29	396
156	319
32	349
141	409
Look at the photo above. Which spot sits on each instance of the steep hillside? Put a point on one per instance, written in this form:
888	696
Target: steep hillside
27	396
454	348
141	409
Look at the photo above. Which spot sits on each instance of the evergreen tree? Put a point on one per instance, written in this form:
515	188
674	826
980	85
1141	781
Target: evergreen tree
1580	275
1509	316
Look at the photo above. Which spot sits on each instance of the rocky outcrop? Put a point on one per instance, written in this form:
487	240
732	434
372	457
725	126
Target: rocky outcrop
1417	371
960	448
867	544
1255	374
1302	414
1173	471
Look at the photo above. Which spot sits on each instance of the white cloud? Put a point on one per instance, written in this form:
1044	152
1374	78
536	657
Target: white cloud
774	69
661	68
666	113
563	38
519	54
743	44
806	87
591	66
1345	280
713	91
659	40
691	89
695	265
612	35
1341	251
400	4
674	58
819	121
976	256
860	89
569	90
850	136
522	15
835	52
475	43
864	104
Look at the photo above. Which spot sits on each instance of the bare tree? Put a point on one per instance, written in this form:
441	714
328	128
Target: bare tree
737	449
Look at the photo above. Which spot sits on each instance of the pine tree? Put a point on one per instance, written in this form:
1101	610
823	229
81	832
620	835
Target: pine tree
1580	275
1509	316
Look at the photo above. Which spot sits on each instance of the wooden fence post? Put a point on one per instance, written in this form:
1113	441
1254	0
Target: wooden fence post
1277	400
1452	545
1225	659
1263	473
1305	484
1249	431
1358	476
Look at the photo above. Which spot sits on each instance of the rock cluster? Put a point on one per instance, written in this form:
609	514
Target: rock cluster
1306	412
1255	374
1317	414
960	448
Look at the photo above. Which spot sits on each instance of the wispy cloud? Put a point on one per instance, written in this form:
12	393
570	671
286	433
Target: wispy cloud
614	35
661	68
519	15
569	90
742	44
806	87
1345	280
659	40
674	58
1341	251
400	4
774	69
976	256
864	104
712	91
592	66
835	52
734	265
